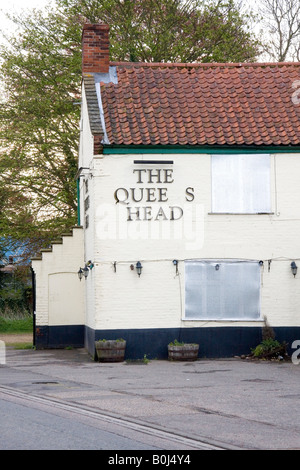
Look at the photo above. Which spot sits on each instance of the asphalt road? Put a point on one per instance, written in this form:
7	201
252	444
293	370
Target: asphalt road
28	428
29	425
208	404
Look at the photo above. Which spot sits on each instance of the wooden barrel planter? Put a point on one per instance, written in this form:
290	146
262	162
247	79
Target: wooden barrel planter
184	352
112	350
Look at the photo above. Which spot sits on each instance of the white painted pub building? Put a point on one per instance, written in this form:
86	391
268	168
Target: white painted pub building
189	209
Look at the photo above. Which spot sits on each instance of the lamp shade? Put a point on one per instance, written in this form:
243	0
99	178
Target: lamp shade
294	268
139	268
85	271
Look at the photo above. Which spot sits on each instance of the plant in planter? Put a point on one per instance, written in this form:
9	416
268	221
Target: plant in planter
110	350
269	347
180	351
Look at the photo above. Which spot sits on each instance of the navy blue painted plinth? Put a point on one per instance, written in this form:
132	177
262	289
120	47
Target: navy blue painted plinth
57	337
215	342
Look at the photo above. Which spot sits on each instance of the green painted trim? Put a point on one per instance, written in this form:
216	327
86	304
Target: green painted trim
78	202
123	150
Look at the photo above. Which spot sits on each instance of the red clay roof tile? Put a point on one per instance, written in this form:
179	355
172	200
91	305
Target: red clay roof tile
202	104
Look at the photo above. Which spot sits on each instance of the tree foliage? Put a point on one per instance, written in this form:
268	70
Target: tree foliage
281	19
170	30
39	134
41	75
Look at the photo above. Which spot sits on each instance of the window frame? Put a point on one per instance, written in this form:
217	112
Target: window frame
254	288
241	199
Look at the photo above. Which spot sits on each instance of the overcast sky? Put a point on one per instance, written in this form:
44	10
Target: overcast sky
16	5
19	5
12	6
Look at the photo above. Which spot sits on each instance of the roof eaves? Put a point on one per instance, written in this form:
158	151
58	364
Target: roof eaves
207	149
93	105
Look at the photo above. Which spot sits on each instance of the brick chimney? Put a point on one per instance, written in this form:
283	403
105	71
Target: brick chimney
95	48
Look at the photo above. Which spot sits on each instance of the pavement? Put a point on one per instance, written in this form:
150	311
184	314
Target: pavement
16	338
231	403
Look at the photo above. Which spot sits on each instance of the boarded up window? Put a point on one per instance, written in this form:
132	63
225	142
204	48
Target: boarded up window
222	290
241	183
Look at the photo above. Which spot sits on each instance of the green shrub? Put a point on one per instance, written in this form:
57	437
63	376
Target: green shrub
176	343
15	290
104	340
269	348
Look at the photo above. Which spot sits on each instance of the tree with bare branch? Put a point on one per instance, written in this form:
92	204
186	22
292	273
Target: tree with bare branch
281	20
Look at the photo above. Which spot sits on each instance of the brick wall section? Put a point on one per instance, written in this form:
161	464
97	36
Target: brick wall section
98	144
95	48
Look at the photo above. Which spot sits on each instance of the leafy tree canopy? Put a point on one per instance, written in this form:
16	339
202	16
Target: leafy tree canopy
170	30
40	73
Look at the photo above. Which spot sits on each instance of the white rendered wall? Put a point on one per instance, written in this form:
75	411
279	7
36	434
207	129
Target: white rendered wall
59	293
86	141
86	190
120	299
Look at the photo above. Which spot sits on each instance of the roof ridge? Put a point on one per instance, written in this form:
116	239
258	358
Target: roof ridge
205	64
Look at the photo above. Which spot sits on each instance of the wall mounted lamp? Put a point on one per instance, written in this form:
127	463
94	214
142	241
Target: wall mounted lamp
217	267
84	272
139	268
294	268
175	262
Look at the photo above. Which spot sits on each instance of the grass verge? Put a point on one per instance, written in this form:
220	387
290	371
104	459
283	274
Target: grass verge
18	322
21	345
